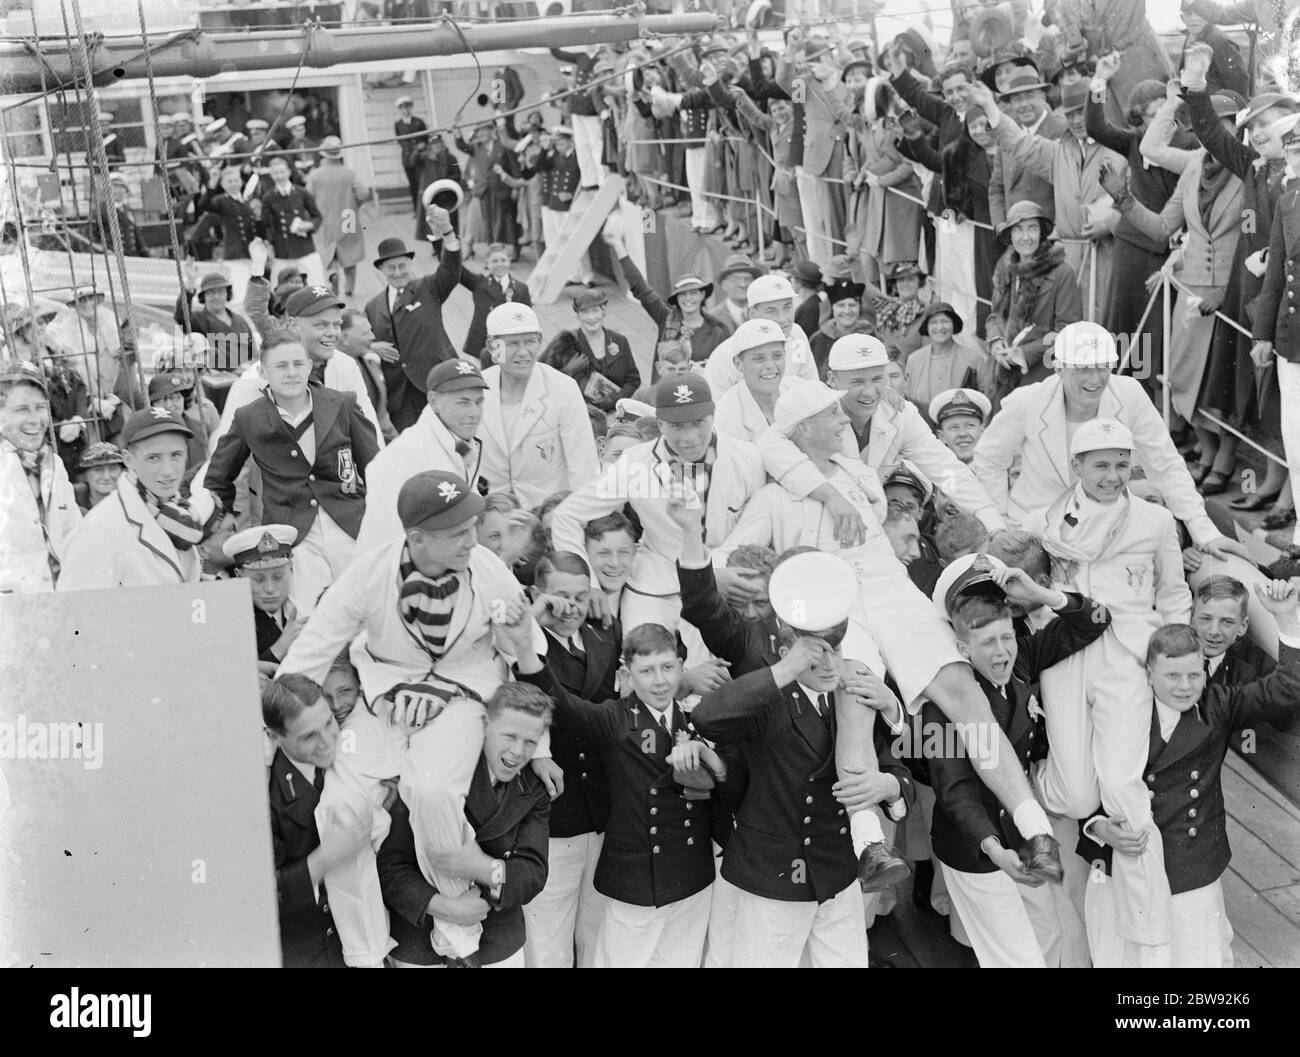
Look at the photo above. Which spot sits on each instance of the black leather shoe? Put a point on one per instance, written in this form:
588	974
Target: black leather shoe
879	868
1042	858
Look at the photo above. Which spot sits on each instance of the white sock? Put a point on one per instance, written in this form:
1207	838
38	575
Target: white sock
864	829
1031	820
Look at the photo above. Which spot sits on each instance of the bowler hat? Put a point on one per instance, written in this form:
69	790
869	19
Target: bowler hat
390	248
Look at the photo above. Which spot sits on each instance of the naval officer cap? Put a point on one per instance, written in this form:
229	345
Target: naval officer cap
1287	130
1100	434
906	473
452	375
1084	344
813	591
801	401
960	402
857	352
969	574
510	319
436	499
684	398
261	547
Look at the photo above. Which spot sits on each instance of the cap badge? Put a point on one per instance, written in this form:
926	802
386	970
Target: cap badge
464	367
267	544
448	491
683	394
322	291
158	412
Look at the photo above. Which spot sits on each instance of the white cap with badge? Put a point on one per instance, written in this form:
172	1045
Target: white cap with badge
813	591
1100	434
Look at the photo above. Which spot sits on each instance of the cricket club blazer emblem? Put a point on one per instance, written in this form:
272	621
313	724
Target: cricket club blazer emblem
1063	570
1137	578
347	471
546	450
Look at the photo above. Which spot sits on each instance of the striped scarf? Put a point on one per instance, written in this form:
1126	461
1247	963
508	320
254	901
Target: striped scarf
426	603
176	519
33	462
699	475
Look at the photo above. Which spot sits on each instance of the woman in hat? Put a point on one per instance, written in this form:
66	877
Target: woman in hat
1207	201
599	360
883	226
1123	298
945	362
681	315
778	125
101	464
845	297
1035	296
231	341
1232	385
899	306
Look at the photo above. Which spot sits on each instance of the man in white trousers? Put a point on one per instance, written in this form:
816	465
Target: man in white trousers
1122	551
1010	917
420	614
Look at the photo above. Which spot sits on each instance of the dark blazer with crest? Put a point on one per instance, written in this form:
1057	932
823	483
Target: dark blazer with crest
1184	774
583	807
308	939
658	849
514	829
292	488
965	811
791	840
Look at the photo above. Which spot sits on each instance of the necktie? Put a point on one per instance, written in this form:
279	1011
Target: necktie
319	781
317	375
463	448
823	707
662	719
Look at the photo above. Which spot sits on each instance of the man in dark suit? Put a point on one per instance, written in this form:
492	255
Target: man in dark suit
656	867
495	288
507	811
312	446
132	240
791	855
583	656
407	320
1192	724
306	735
1012	919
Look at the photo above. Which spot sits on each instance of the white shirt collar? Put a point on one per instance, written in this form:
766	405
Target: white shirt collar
1169	718
1213	664
305	769
812	695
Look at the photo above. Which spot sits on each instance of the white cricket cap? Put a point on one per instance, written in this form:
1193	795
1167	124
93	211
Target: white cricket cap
855	352
813	591
768	288
801	401
754	334
512	318
1101	433
1084	344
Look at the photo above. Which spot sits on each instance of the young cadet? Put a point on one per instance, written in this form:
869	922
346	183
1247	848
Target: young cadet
959	417
420	614
505	810
306	739
38	507
264	557
791	857
312	446
1122	551
723	472
444	437
746	409
1188	732
146	535
583	656
915	646
1011	919
656	865
1221	623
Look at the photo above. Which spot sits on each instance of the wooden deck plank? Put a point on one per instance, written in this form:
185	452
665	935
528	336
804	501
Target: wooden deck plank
1262	816
1260	924
1257	863
1244	956
1286	901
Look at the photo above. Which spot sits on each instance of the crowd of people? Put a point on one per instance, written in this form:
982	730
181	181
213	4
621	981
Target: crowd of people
883	564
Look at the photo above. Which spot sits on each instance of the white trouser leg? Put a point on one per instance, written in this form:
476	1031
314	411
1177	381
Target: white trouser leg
587	144
1288	383
995	919
561	917
815	233
671	937
319	559
695	169
719	948
773	933
434	781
